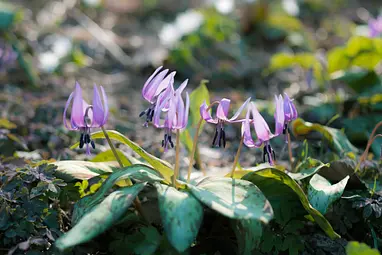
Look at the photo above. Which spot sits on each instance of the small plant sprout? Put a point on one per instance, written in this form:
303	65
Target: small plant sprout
85	116
153	87
221	118
263	133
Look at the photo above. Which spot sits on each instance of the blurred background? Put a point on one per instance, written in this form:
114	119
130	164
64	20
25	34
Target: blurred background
256	48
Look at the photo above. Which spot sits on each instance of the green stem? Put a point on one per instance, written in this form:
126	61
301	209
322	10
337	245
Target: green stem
237	156
177	150
137	203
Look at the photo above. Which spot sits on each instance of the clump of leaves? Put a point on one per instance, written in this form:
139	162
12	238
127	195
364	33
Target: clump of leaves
30	215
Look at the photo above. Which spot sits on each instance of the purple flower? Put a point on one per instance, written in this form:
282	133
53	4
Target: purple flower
85	116
290	112
170	104
7	56
221	118
263	133
154	86
375	27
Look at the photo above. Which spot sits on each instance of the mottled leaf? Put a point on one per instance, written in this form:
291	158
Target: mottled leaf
160	165
307	168
182	215
280	178
233	198
248	234
101	217
108	155
83	170
322	194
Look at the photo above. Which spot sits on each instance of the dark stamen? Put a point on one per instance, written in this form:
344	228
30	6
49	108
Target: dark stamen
142	113
223	136
87	138
171	143
285	129
215	136
264	153
93	144
82	142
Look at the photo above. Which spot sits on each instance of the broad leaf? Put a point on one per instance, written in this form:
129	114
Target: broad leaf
197	97
269	179
240	173
248	234
356	248
162	166
108	155
138	172
337	140
322	194
182	215
101	217
83	170
307	168
233	198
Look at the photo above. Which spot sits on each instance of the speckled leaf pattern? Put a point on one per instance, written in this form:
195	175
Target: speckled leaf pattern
248	234
182	215
236	199
283	178
158	164
76	169
138	172
101	217
322	194
307	168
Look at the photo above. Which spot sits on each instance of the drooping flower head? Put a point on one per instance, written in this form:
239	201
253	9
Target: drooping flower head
157	83
170	104
290	112
7	56
84	116
375	27
221	118
263	133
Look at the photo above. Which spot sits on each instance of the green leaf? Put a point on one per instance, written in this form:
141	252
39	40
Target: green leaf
337	139
160	165
138	172
83	170
359	80
9	14
307	168
197	97
356	248
276	177
322	194
101	217
233	198
181	214
108	155
248	234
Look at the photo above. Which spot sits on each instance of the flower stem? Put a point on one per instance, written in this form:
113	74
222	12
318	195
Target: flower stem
369	143
237	156
195	142
289	150
137	203
177	150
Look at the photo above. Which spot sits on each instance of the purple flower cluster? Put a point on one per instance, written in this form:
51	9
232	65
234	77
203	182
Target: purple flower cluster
167	108
375	27
285	113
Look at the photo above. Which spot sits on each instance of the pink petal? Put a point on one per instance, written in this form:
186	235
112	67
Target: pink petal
153	84
205	114
64	115
279	115
187	109
98	111
105	106
236	115
246	133
181	87
261	127
223	108
77	115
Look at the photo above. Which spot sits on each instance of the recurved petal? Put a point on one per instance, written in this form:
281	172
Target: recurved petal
64	120
205	114
77	116
151	87
182	87
246	133
238	112
98	110
279	115
105	106
186	111
223	108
